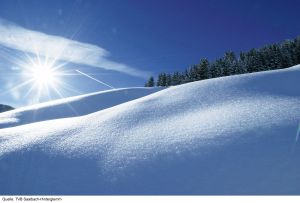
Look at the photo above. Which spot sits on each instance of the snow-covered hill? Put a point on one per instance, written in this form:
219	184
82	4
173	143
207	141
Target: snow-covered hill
232	135
73	106
4	108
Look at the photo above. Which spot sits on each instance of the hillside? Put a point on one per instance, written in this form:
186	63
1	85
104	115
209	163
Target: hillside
73	106
230	135
4	108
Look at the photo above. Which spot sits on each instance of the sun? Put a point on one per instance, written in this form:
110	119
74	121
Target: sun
42	78
42	74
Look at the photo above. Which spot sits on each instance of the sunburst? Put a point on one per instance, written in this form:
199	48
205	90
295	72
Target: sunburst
43	78
43	74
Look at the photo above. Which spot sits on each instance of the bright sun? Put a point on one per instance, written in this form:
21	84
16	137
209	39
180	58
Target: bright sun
43	78
43	75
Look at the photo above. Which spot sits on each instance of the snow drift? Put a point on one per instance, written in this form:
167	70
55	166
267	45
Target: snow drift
73	106
231	135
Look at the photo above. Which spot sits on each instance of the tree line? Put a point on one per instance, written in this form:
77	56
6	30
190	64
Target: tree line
270	57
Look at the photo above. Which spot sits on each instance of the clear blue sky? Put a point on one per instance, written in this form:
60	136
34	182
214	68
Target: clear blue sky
150	35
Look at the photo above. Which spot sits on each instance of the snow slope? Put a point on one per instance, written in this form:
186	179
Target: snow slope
232	135
73	106
4	108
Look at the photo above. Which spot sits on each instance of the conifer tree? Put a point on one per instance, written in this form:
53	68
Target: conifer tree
297	52
229	63
276	57
219	65
175	79
186	76
168	80
203	69
269	57
286	52
213	71
150	82
242	63
159	80
194	73
162	80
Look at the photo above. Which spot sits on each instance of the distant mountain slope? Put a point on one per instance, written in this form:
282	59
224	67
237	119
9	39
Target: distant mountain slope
73	106
4	108
231	135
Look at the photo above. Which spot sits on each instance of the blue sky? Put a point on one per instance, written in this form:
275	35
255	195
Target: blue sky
138	37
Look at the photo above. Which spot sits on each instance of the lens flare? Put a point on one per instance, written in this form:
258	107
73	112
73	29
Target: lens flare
43	75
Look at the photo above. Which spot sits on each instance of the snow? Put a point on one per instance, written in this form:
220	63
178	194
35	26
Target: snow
231	135
73	106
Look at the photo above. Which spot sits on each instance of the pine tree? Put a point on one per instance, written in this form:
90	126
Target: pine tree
276	57
242	68
175	80
219	64
203	70
270	57
162	80
252	58
213	73
293	50
194	73
159	80
186	76
266	54
286	52
150	82
168	80
297	52
229	63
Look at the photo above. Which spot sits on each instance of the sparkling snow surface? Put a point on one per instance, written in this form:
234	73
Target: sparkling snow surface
232	135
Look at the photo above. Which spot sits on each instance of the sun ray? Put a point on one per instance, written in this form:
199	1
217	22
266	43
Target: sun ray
68	87
17	86
29	91
69	105
42	74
